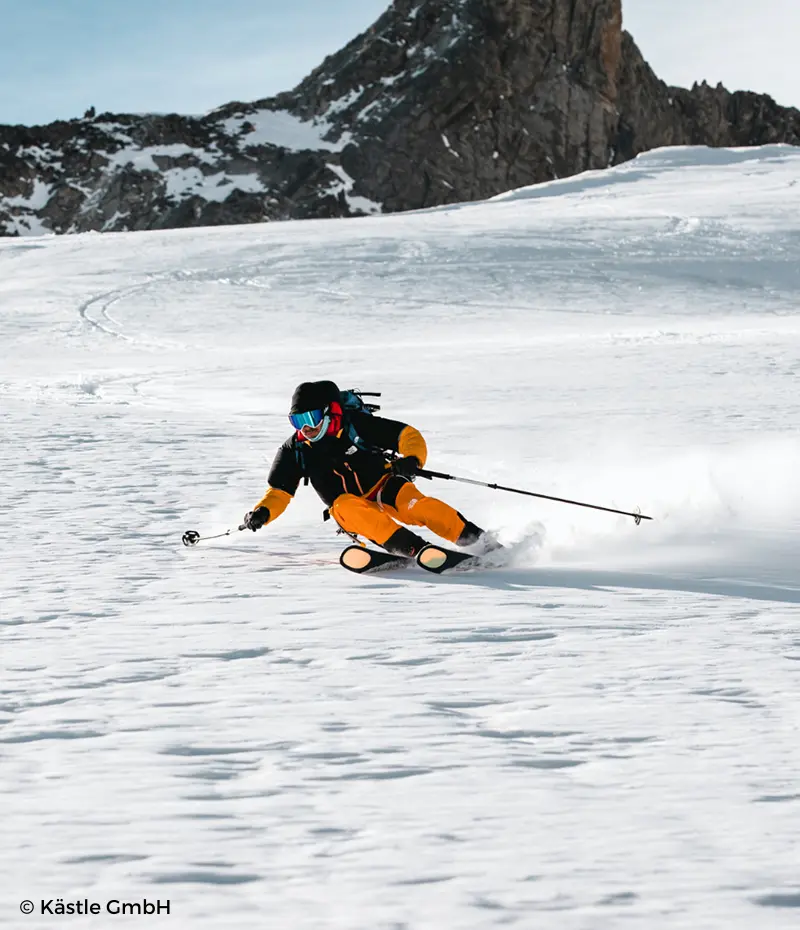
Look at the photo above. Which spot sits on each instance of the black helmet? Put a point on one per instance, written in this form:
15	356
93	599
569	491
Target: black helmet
313	395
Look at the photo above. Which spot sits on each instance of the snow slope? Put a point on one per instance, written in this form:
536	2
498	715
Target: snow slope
603	734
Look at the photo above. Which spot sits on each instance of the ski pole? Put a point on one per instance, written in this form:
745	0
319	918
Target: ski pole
637	516
192	537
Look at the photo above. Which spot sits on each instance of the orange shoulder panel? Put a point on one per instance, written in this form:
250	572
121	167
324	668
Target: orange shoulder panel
412	443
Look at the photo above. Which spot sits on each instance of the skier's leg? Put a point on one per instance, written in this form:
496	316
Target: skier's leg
365	518
409	505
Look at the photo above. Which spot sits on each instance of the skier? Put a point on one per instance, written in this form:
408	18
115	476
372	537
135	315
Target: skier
342	454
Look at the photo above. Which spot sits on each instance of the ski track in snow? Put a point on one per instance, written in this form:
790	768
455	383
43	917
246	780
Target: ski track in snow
602	733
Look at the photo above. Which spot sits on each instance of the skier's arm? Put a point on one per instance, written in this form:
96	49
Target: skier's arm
412	442
284	477
394	435
276	501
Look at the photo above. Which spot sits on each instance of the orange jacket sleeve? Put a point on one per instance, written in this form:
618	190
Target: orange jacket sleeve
276	501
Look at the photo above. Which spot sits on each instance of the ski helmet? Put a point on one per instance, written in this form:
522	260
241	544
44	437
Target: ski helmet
314	404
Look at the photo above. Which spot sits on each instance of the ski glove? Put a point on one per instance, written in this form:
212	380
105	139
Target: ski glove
256	518
406	467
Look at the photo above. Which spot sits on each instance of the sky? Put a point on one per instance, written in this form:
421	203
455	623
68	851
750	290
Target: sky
61	56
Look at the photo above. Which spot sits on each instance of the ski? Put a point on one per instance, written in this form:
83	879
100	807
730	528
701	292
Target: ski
364	561
437	559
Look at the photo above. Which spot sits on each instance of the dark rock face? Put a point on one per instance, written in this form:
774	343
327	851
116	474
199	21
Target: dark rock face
441	101
652	114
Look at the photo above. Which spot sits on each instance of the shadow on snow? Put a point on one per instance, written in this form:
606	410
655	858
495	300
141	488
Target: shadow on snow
599	579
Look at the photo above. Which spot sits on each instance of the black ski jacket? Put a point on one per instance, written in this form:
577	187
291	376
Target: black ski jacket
334	465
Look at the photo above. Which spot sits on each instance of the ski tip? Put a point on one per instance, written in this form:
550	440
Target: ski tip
360	560
356	559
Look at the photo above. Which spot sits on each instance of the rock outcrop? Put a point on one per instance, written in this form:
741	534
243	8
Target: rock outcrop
440	101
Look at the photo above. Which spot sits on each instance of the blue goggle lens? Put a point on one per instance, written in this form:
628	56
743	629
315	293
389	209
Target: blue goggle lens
312	418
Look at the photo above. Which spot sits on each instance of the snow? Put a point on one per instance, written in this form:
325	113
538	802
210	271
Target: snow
23	220
182	182
281	128
112	221
335	107
602	734
142	158
449	147
36	200
356	202
47	156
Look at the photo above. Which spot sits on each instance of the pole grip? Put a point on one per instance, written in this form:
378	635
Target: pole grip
425	473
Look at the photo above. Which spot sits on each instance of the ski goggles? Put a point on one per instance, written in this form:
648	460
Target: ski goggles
311	418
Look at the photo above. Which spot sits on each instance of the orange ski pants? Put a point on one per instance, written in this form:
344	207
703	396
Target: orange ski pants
376	520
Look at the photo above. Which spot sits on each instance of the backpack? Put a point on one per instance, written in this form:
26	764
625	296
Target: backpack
351	402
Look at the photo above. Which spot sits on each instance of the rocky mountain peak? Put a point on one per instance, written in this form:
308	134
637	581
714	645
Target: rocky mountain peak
440	101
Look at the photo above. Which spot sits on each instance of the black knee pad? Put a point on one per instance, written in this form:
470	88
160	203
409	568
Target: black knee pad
390	490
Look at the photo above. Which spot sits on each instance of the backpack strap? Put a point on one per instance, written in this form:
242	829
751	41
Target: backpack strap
299	454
